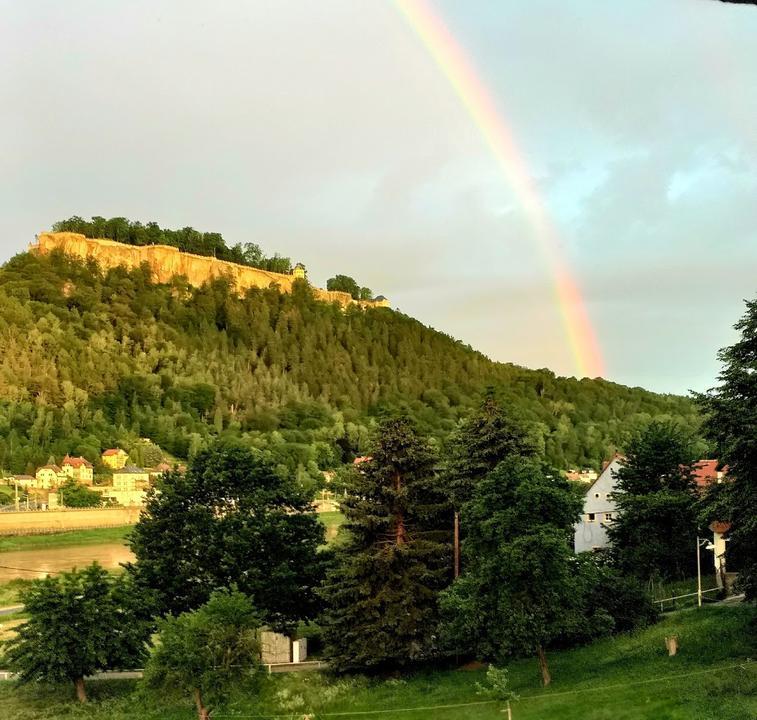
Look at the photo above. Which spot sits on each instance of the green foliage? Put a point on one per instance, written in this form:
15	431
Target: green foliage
381	595
205	651
731	423
486	438
93	360
344	283
187	240
80	623
655	532
72	494
516	594
231	520
497	685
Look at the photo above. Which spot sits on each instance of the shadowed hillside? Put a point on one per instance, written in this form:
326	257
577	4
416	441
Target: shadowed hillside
92	359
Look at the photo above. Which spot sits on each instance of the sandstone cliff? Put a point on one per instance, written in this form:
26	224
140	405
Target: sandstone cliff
167	262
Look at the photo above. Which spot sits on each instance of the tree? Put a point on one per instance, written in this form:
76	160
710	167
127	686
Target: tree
344	283
230	520
204	651
486	438
381	596
731	422
517	591
654	534
72	494
80	622
481	442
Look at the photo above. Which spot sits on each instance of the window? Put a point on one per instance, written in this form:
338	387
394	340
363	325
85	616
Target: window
596	495
608	516
590	517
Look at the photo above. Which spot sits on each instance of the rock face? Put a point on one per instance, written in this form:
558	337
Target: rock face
167	262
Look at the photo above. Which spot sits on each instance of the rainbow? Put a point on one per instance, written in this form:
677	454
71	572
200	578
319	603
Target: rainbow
462	75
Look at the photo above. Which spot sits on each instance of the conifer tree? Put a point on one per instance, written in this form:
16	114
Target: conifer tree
732	423
382	594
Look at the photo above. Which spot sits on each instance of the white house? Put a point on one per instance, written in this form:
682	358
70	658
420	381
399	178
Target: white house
598	511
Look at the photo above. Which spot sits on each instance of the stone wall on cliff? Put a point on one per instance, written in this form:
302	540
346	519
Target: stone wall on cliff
167	262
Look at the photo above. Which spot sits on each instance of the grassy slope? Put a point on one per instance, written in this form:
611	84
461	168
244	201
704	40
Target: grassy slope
590	683
95	536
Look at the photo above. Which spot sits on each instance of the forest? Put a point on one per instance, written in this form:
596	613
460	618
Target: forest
94	359
187	240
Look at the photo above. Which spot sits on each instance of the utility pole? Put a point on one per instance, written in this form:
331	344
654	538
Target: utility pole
457	544
699	574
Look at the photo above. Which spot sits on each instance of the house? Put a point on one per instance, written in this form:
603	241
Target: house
590	533
23	481
130	478
300	272
79	469
49	476
706	473
115	458
586	476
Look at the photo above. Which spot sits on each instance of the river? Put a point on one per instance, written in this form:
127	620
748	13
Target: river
38	563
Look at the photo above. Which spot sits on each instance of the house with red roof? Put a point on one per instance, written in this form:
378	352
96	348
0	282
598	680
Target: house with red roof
79	469
707	472
115	458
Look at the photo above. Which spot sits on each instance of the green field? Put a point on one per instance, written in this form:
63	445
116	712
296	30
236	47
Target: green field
95	536
625	678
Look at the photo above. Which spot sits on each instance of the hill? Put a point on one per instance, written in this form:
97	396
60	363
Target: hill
93	358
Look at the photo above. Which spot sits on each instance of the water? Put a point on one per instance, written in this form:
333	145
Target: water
37	563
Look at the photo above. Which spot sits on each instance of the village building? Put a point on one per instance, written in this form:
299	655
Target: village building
130	478
49	476
115	458
590	532
78	469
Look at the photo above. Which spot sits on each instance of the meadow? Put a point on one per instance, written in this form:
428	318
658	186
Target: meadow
629	677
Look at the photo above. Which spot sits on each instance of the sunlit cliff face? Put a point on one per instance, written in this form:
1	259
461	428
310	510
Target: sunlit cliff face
167	262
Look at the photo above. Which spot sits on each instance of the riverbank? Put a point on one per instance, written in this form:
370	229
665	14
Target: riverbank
94	536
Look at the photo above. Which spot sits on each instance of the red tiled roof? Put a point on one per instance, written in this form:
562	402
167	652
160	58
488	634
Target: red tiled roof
77	462
706	472
362	459
112	451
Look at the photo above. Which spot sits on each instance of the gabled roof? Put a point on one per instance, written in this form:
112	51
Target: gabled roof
605	469
113	451
130	470
54	468
77	462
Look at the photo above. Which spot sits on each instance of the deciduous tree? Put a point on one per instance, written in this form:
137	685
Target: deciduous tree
80	622
204	651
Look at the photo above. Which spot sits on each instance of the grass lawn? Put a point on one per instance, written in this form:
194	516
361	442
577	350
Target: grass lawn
62	539
625	678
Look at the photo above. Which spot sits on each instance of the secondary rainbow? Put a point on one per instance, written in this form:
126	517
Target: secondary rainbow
461	74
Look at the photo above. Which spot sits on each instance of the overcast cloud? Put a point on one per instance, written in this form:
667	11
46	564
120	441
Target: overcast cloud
324	131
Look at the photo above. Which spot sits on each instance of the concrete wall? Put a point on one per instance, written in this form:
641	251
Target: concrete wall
47	521
168	262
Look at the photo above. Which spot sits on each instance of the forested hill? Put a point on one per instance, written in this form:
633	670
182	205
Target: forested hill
91	360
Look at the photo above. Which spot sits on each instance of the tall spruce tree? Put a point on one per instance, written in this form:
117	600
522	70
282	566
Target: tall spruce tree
382	594
732	423
655	532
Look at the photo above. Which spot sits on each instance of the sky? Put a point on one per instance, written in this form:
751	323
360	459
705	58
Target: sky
327	132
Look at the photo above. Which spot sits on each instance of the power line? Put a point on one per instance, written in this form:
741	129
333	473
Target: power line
45	572
541	696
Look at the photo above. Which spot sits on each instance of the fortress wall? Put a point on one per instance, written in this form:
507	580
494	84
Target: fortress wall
47	521
166	262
